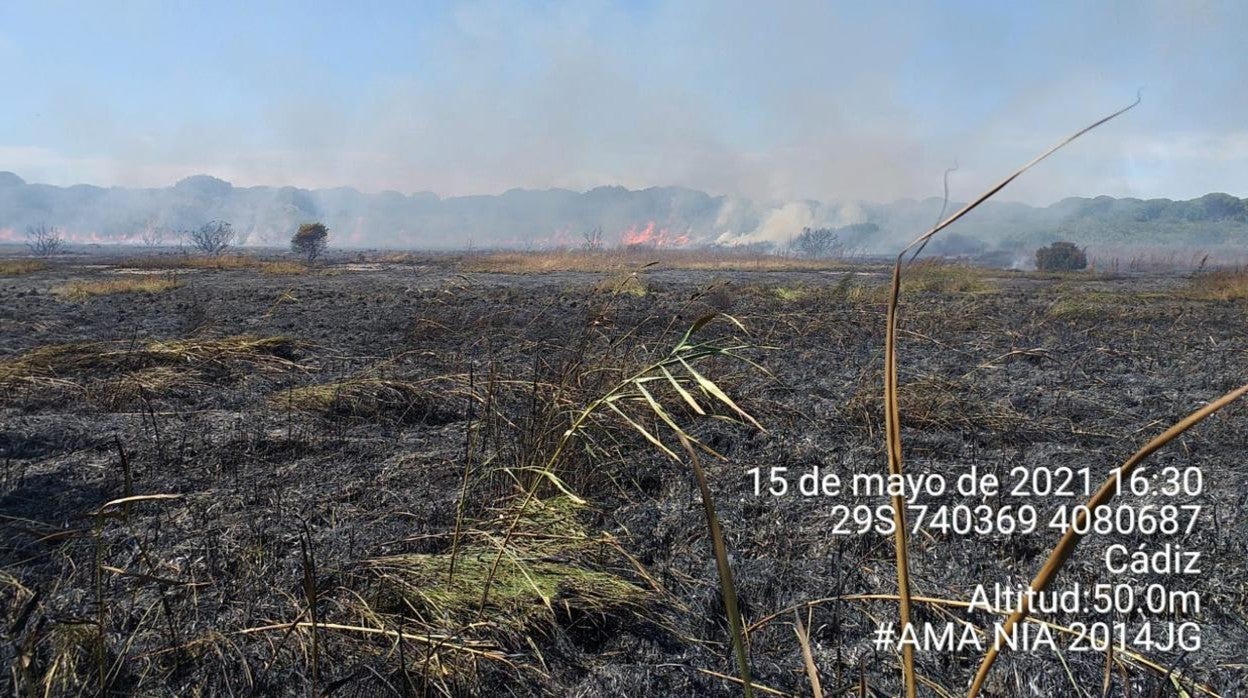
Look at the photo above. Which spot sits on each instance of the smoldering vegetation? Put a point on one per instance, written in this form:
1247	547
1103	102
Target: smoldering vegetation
257	484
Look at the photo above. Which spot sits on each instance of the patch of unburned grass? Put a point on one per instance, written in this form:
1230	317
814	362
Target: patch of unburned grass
545	573
553	573
21	267
1082	304
1220	285
78	290
935	276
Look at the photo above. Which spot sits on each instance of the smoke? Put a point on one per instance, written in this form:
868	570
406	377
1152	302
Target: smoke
779	223
762	102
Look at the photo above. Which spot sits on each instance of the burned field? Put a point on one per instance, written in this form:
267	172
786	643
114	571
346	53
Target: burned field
396	479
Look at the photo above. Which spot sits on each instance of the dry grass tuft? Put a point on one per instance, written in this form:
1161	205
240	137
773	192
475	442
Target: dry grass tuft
1221	285
626	283
94	358
119	377
283	267
78	290
127	391
370	398
21	267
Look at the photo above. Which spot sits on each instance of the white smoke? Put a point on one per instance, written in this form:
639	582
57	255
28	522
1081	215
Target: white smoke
743	223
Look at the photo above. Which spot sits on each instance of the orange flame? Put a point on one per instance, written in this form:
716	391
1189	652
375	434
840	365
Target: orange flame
653	236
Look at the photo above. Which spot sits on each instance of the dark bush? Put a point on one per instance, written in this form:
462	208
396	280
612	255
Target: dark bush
310	241
1061	256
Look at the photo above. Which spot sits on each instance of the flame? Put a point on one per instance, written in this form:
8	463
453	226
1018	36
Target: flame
653	236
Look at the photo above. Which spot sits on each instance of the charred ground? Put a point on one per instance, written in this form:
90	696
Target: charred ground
333	436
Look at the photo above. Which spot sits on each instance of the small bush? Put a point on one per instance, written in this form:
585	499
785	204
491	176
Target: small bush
1061	256
310	241
44	241
212	238
815	243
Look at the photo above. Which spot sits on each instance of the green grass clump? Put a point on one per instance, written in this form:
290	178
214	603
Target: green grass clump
933	276
524	594
1088	305
550	572
790	294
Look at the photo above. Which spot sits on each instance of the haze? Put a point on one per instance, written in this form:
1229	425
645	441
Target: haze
771	101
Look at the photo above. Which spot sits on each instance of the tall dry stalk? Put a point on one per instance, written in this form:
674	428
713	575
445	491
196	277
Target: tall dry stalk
892	416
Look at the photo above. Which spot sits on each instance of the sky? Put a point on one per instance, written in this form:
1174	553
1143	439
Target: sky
768	100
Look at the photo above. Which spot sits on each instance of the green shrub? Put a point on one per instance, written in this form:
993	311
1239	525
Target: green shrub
1061	256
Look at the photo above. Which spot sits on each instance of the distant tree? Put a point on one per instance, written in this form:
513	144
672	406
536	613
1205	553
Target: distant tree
1061	256
44	241
212	238
592	239
153	237
818	242
310	241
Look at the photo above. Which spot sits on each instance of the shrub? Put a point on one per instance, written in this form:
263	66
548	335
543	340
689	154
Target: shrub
44	241
212	238
1061	256
310	241
818	242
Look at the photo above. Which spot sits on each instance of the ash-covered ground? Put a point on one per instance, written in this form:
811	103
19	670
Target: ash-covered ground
334	439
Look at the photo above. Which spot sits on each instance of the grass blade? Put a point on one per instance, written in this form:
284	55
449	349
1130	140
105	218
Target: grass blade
727	589
646	433
680	389
709	386
808	659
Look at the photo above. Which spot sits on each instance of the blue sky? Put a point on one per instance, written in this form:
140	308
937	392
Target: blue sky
830	101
